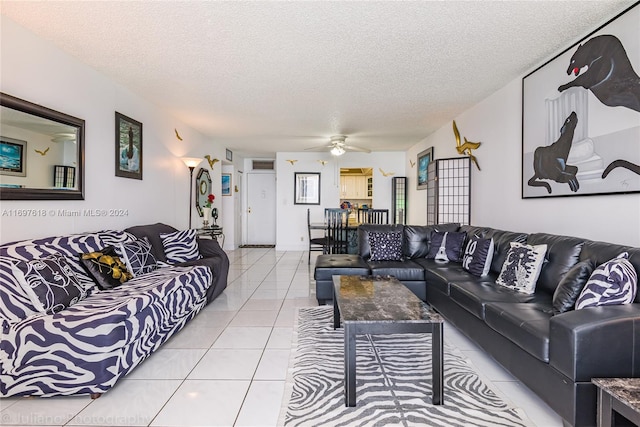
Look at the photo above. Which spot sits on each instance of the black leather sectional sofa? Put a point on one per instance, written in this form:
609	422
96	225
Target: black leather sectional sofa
554	355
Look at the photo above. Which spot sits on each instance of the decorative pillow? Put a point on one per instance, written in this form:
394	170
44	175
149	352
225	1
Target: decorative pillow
385	246
180	246
49	282
446	246
106	268
478	256
612	283
570	286
522	267
137	256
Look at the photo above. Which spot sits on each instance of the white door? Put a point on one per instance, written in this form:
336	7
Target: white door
261	208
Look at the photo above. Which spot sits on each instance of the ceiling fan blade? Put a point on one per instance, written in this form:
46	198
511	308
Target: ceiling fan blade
319	148
352	148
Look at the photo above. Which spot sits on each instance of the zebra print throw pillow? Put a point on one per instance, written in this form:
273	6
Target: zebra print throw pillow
49	282
522	267
137	256
106	267
612	283
478	256
385	246
180	246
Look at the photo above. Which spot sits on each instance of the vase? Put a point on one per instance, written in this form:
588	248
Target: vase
206	216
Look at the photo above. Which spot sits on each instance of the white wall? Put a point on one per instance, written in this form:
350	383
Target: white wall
37	71
496	190
292	219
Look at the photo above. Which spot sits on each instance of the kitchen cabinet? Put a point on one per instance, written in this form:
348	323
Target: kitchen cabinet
354	187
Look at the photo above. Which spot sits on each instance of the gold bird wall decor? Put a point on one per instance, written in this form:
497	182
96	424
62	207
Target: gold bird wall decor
386	173
412	163
465	149
211	161
42	153
177	134
291	161
323	162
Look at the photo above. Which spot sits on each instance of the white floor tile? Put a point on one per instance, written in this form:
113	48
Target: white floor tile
203	403
280	338
254	318
227	364
137	403
168	363
40	411
489	367
273	365
537	411
262	405
243	337
262	304
193	337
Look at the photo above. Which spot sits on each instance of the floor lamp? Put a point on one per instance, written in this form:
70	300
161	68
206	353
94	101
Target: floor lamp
191	163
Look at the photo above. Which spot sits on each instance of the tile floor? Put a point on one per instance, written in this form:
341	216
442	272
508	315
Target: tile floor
228	366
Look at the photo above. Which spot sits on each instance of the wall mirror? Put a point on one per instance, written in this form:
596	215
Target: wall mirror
41	152
203	189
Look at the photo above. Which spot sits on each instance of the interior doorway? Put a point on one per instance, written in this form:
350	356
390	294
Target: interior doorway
261	208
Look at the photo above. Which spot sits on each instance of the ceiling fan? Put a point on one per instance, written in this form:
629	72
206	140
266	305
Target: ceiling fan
337	146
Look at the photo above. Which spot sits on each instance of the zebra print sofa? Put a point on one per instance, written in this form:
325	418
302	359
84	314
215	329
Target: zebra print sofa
555	355
86	347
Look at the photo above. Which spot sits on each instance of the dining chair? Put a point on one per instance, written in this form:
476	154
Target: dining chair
315	243
337	221
373	216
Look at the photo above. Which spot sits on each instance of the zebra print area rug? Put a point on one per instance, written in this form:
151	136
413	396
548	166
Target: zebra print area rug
393	382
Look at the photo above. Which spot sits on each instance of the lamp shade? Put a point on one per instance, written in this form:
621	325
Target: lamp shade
191	162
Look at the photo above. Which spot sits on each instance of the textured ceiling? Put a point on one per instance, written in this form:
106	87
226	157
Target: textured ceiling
260	77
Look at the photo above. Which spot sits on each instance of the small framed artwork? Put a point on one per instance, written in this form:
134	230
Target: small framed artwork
226	184
229	155
581	116
306	188
128	147
424	158
13	157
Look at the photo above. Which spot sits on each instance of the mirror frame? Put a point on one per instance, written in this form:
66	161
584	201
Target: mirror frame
46	113
203	189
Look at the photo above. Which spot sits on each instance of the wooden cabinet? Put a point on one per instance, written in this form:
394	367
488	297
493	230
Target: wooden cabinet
354	187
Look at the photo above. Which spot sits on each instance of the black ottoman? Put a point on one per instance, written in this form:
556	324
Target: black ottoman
328	266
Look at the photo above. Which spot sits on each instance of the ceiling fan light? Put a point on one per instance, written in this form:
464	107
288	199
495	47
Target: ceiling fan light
337	151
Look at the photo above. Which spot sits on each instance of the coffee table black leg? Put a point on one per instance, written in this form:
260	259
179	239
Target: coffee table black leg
349	365
437	364
336	312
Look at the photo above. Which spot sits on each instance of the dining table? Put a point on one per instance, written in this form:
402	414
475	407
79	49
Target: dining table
352	234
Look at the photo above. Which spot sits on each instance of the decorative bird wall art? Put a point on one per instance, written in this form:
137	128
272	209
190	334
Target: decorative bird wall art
412	163
323	162
42	153
291	161
211	161
386	173
177	134
465	149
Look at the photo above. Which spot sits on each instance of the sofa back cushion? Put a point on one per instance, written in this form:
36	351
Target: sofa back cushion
364	248
601	252
501	245
563	253
416	238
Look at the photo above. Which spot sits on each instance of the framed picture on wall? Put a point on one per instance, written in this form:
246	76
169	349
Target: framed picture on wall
581	116
423	160
226	184
306	188
229	155
13	156
128	147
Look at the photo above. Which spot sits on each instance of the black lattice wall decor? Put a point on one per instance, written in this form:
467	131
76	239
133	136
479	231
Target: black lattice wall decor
449	191
399	200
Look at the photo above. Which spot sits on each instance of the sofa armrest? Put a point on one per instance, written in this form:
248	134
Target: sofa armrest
596	342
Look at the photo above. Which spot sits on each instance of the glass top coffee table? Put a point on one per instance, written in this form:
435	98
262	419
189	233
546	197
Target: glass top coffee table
382	305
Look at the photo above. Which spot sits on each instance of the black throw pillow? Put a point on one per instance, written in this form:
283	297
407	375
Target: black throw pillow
571	285
446	246
106	268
